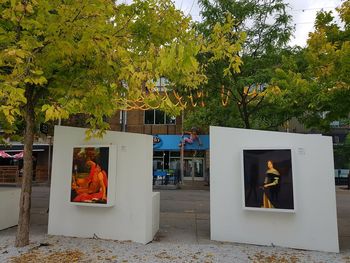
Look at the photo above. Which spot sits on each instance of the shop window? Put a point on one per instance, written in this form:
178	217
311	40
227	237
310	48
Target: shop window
158	154
175	154
335	139
149	117
158	164
158	117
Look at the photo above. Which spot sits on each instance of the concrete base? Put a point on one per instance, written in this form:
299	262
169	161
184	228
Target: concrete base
9	206
155	212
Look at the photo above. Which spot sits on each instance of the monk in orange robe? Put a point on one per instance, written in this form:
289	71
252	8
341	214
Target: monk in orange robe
97	185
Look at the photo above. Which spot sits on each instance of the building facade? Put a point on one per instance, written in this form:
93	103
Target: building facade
167	132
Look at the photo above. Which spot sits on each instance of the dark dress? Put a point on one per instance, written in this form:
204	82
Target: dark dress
271	192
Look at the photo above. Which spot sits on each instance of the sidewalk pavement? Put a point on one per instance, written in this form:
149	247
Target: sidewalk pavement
184	236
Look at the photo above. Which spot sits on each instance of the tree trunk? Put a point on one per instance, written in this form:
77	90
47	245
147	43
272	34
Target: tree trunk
22	238
245	116
246	122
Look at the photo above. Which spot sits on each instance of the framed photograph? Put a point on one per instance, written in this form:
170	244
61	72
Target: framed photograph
268	180
93	175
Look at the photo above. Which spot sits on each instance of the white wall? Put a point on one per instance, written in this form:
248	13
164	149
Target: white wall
9	206
313	225
132	214
156	209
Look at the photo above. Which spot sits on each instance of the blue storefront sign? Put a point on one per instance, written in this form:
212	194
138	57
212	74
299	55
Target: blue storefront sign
172	143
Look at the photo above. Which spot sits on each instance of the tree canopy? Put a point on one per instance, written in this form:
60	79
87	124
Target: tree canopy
314	82
267	28
91	57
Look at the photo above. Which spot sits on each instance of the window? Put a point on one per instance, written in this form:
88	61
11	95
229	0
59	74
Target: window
149	117
161	84
158	117
335	124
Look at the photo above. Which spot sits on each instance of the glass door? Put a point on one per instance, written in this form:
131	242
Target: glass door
198	169
194	169
188	169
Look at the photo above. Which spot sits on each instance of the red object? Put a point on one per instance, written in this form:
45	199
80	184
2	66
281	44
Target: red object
18	155
5	155
85	197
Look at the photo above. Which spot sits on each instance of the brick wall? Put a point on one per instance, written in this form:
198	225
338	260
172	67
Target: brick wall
135	123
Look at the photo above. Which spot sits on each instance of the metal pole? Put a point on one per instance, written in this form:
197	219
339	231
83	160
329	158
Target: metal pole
123	119
182	149
49	161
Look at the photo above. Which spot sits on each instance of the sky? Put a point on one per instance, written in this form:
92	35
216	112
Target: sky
302	11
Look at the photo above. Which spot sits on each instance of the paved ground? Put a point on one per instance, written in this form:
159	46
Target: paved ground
183	237
184	217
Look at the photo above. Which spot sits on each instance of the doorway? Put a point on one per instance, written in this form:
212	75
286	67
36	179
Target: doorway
194	169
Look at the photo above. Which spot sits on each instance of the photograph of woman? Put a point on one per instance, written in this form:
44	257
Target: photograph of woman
271	186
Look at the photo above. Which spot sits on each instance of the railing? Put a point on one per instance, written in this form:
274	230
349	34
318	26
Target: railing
8	174
11	175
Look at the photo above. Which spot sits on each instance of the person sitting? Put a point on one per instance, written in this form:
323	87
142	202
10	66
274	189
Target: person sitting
97	185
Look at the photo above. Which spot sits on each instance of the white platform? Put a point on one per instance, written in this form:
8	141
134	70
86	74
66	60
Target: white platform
312	226
9	206
133	216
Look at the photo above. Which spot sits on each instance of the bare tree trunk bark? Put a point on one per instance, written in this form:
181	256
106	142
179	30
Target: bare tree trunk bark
22	238
246	122
245	116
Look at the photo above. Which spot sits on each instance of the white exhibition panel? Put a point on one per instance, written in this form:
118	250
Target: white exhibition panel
9	205
313	223
156	209
132	215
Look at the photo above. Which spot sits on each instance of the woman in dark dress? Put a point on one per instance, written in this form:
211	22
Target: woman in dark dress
271	185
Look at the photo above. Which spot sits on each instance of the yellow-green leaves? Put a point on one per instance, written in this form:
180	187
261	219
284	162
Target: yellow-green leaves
36	78
226	43
54	112
320	87
97	57
11	98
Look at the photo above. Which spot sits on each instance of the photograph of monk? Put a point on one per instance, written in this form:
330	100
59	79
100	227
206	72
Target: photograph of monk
90	175
268	179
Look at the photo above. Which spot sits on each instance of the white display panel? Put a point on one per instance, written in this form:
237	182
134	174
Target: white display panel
9	207
313	225
132	217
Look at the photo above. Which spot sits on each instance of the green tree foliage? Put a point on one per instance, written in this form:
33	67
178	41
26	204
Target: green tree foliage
342	154
212	114
316	79
59	58
267	30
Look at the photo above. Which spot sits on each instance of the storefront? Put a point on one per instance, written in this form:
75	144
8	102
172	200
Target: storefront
167	157
11	163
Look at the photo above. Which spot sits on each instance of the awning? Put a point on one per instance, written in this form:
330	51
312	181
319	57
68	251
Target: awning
19	155
171	143
18	147
5	155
